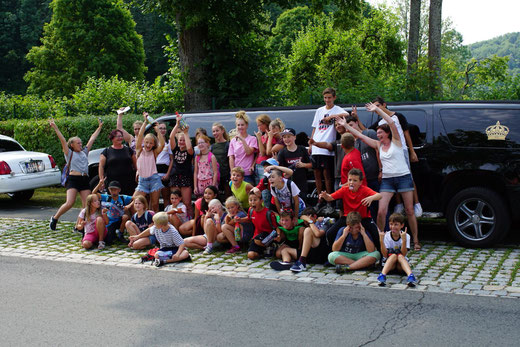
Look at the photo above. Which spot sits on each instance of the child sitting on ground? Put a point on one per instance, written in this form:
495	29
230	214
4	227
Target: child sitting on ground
141	220
314	247
264	221
394	247
177	211
92	220
291	233
243	234
212	222
353	248
170	241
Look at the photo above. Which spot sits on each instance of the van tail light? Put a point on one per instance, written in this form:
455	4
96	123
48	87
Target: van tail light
53	163
4	168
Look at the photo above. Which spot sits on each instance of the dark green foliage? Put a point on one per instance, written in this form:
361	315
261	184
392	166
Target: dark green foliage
85	38
21	25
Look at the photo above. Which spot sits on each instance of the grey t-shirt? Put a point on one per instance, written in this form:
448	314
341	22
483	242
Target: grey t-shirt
368	155
78	161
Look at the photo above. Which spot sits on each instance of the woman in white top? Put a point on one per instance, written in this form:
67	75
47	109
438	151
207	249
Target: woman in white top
396	174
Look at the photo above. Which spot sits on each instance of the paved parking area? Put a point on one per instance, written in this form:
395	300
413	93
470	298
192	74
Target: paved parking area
439	267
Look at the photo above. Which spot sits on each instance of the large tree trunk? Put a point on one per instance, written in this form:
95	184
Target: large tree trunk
434	48
413	35
192	54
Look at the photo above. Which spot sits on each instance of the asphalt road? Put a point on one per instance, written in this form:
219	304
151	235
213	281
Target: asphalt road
56	303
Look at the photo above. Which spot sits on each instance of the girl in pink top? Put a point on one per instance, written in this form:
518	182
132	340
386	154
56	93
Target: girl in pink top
149	180
206	171
243	148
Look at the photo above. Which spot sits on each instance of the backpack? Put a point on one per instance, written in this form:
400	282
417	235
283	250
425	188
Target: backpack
150	255
268	215
209	161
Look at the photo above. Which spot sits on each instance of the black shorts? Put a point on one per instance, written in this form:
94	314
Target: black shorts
293	244
320	162
78	182
319	254
180	181
253	247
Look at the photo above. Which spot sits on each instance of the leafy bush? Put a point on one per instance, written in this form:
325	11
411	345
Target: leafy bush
37	135
96	97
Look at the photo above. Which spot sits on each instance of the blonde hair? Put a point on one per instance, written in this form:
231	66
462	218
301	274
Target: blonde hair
215	202
204	137
138	123
219	125
71	140
264	119
277	123
242	115
233	200
154	138
160	219
239	170
88	212
143	200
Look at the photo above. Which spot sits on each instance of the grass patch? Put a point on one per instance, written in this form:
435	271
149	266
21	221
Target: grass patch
48	196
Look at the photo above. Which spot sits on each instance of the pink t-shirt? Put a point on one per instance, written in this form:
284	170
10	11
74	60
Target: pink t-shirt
241	159
90	225
146	164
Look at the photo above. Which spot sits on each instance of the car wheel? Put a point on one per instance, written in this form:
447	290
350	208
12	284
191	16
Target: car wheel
24	195
478	217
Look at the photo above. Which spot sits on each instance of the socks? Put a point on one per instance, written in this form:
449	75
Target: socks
303	260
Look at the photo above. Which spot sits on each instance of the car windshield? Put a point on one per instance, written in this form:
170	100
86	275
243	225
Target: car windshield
9	146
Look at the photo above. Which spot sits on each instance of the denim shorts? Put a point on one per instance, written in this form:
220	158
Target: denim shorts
398	184
149	184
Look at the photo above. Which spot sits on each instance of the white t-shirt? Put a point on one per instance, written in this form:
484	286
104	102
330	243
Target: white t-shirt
324	132
392	244
164	156
90	223
182	216
284	195
399	129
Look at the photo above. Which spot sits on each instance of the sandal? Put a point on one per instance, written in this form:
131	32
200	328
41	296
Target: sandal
416	246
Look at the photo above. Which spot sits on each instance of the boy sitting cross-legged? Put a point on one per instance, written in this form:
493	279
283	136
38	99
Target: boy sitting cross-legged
353	248
394	247
170	241
291	233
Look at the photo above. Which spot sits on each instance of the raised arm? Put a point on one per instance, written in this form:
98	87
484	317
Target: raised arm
119	126
187	139
63	142
94	135
396	138
140	136
160	136
371	142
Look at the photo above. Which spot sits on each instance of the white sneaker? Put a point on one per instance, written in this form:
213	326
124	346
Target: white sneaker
399	208
101	245
417	209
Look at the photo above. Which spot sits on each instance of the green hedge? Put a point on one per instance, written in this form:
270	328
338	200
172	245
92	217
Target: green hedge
37	135
96	97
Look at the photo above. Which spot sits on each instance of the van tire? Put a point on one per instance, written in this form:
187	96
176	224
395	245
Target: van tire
478	217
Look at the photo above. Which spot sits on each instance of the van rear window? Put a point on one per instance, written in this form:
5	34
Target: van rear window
482	127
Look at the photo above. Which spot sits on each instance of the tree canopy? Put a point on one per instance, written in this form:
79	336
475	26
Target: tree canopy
85	38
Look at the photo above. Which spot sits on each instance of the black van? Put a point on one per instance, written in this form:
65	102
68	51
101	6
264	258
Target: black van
469	158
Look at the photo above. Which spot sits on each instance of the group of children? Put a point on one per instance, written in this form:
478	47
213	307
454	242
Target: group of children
269	218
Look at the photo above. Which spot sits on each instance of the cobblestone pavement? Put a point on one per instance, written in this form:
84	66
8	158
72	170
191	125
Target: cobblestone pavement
439	267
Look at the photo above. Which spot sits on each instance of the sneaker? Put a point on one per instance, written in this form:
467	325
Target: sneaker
298	266
280	265
411	280
341	268
269	252
382	280
158	263
399	208
233	250
101	245
208	250
417	209
52	223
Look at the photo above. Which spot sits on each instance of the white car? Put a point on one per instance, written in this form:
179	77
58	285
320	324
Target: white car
23	171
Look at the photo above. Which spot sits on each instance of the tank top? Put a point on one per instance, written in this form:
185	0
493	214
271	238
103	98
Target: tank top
205	169
240	194
146	164
394	162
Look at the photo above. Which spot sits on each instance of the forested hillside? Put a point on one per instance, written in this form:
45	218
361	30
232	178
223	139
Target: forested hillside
505	45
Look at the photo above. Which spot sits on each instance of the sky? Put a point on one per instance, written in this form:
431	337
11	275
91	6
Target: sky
479	20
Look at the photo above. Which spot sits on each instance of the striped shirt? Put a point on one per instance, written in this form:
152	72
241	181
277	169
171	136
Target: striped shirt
168	238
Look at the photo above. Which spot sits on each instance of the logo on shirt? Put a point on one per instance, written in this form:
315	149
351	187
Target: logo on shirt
323	125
